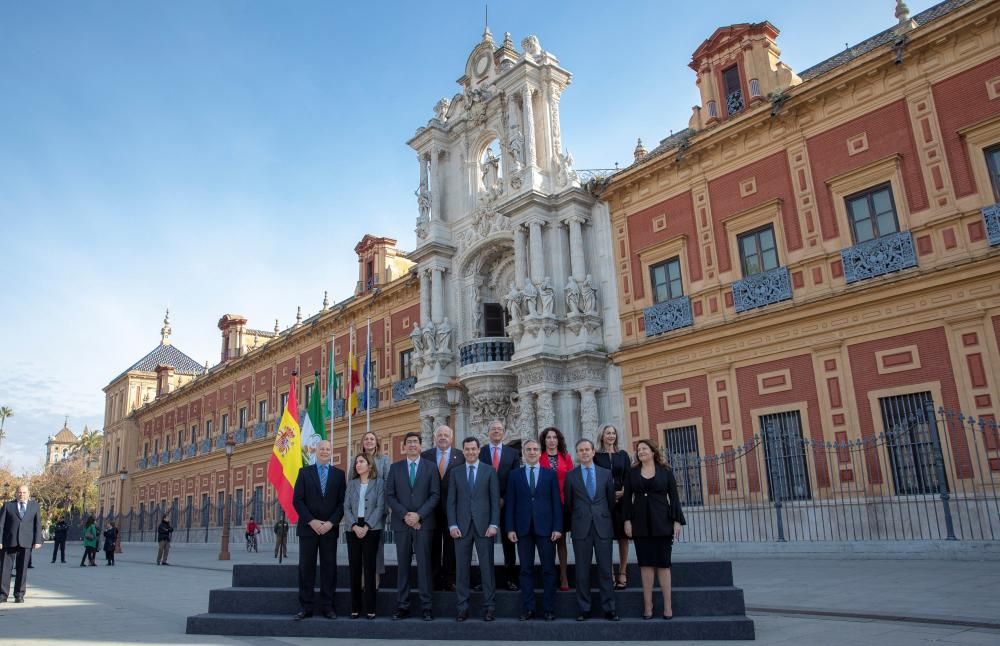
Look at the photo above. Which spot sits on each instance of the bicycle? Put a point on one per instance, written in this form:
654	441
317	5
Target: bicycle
251	542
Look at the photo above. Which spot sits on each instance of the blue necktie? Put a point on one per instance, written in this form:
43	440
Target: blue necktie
472	476
531	478
322	478
413	473
591	485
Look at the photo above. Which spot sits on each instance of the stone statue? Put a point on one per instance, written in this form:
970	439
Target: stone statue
588	296
546	297
441	109
490	170
430	336
417	340
573	293
477	311
566	173
513	300
516	146
423	200
530	299
532	48
444	336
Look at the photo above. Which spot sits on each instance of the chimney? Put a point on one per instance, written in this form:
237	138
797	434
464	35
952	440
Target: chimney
164	377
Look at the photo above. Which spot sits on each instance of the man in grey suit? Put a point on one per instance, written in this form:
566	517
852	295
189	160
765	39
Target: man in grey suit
590	494
412	492
20	532
474	518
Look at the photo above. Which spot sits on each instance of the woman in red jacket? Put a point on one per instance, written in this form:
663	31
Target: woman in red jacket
555	456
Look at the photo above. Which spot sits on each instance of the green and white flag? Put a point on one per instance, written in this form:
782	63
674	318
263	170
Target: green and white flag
314	425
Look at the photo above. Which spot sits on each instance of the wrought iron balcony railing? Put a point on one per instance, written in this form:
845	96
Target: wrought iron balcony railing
765	288
668	315
154	460
191	450
165	457
372	400
206	446
402	388
241	435
486	349
991	216
339	406
178	454
220	440
885	255
141	464
260	430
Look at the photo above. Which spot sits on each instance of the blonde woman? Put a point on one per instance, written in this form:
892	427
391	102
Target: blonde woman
364	515
370	446
615	460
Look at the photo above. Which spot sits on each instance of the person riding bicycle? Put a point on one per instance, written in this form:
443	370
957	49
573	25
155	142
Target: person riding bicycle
252	530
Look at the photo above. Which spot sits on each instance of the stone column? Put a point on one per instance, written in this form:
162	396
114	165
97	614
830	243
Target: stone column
425	298
526	428
545	415
520	270
435	174
588	413
437	294
529	129
427	431
537	254
577	259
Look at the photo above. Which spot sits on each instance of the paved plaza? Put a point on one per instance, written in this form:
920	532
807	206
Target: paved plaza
883	601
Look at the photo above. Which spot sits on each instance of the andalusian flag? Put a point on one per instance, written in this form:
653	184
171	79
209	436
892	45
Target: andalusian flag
331	386
314	425
352	383
286	456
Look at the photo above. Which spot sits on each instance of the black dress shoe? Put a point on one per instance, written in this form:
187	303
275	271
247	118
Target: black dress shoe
3	598
490	615
527	615
401	613
478	587
581	617
550	616
428	616
302	614
21	600
330	614
513	587
462	616
612	616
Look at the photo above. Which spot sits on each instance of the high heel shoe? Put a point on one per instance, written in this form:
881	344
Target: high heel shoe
668	617
621	582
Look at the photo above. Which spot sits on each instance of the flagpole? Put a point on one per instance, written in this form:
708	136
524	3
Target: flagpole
368	381
347	398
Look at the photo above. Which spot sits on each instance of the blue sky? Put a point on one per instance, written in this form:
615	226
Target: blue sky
227	156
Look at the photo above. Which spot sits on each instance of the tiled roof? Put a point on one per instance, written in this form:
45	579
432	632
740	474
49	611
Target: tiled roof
166	355
886	37
882	38
262	333
64	435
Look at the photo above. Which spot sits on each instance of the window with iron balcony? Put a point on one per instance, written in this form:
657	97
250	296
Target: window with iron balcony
991	213
671	309
879	246
764	280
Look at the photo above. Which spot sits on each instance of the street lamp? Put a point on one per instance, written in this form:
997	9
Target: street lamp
230	447
454	391
121	503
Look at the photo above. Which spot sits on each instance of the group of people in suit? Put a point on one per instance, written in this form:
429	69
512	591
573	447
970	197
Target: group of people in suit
444	503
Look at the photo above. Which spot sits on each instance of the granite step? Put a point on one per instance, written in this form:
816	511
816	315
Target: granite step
687	602
731	627
684	574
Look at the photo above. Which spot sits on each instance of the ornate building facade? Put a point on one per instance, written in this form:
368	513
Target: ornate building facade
819	253
59	447
517	313
171	417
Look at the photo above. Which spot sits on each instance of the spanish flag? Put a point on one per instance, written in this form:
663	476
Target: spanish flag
353	381
286	456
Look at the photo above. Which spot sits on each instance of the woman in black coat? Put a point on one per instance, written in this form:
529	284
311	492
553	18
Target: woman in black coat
616	461
110	540
653	519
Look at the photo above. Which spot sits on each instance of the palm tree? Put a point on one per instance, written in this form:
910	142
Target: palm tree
5	412
88	444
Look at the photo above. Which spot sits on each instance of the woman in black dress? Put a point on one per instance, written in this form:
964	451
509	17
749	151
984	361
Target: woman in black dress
653	519
615	460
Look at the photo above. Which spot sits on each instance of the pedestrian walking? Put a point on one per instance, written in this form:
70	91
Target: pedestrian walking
89	543
59	532
163	532
110	541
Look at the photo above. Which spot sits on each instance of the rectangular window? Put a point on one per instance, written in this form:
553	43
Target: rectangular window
262	411
734	91
145	451
872	213
785	456
243	417
206	505
194	434
220	508
174	508
142	511
405	364
665	278
284	403
238	507
169	439
340	385
188	510
258	503
993	164
225	423
758	253
156	446
494	320
910	443
685	460
208	429
309	392
118	458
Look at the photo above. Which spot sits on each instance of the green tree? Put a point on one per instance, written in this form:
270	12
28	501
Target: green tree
89	445
5	412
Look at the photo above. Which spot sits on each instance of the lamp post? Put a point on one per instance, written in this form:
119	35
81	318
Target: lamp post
121	503
230	447
454	391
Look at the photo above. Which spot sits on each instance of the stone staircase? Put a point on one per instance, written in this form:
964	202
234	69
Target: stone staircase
263	599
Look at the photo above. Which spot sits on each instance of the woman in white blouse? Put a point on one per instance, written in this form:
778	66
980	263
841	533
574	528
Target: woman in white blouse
364	515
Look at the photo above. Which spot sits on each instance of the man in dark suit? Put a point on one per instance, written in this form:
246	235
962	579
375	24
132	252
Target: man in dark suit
59	532
590	494
319	501
534	521
412	491
474	519
503	459
20	532
446	458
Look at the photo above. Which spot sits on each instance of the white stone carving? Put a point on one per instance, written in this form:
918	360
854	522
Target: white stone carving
546	297
444	336
532	47
588	296
530	298
441	109
566	173
572	290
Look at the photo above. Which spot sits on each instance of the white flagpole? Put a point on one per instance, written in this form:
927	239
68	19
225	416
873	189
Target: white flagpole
368	382
347	403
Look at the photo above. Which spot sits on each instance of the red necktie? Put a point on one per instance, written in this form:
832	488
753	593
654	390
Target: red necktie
496	458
